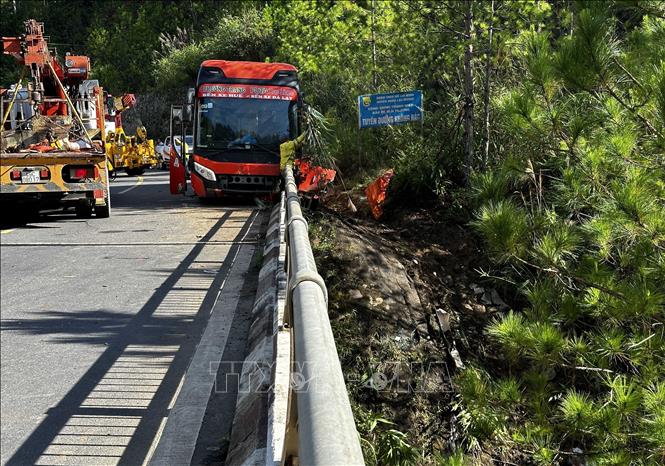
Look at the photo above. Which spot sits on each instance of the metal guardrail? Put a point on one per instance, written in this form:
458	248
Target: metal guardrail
326	430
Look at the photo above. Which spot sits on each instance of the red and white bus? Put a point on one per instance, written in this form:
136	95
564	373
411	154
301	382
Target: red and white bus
241	113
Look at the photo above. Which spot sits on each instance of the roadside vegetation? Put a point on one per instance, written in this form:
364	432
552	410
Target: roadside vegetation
539	173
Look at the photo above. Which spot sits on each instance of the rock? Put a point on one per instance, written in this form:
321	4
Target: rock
421	329
433	321
375	301
443	319
477	289
467	306
456	358
351	206
496	299
487	298
478	308
355	294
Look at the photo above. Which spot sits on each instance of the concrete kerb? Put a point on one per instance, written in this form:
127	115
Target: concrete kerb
259	426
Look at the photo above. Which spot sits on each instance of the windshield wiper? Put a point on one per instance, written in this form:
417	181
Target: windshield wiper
265	148
250	145
219	150
241	146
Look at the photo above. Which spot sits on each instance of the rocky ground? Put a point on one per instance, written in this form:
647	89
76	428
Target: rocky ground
407	304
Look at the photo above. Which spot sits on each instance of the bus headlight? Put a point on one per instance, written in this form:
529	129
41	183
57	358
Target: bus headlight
205	172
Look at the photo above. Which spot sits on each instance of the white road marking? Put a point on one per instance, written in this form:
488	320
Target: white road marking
139	182
139	243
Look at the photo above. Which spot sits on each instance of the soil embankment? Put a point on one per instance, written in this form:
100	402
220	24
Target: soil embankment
407	308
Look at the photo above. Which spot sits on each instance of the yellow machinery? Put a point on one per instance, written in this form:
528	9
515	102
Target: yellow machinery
133	154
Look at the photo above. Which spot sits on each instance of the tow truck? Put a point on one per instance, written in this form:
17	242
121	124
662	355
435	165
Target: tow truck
133	154
50	151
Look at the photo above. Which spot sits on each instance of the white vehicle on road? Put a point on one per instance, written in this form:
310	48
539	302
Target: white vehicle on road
162	150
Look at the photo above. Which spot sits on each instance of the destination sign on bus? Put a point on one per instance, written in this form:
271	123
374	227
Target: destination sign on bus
248	92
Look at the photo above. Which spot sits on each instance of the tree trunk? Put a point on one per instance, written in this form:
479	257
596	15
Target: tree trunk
468	90
486	91
374	80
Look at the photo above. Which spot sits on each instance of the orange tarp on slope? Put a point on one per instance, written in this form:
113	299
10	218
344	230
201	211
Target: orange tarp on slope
313	178
376	193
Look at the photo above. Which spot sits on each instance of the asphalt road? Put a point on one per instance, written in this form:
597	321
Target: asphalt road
113	329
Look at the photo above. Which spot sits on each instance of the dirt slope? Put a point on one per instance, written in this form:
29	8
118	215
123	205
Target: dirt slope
386	282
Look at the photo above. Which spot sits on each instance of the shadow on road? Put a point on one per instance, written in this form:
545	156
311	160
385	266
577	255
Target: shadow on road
151	196
82	327
115	410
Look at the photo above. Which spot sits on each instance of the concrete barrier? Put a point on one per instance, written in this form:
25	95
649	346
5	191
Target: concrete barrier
292	408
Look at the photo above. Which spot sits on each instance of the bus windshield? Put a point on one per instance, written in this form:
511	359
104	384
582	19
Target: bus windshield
225	123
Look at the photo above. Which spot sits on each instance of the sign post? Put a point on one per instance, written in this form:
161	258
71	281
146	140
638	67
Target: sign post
390	109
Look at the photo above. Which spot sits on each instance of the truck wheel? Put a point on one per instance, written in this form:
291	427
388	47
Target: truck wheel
29	214
135	171
103	211
83	211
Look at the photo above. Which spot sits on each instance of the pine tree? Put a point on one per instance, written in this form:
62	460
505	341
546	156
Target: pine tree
576	210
